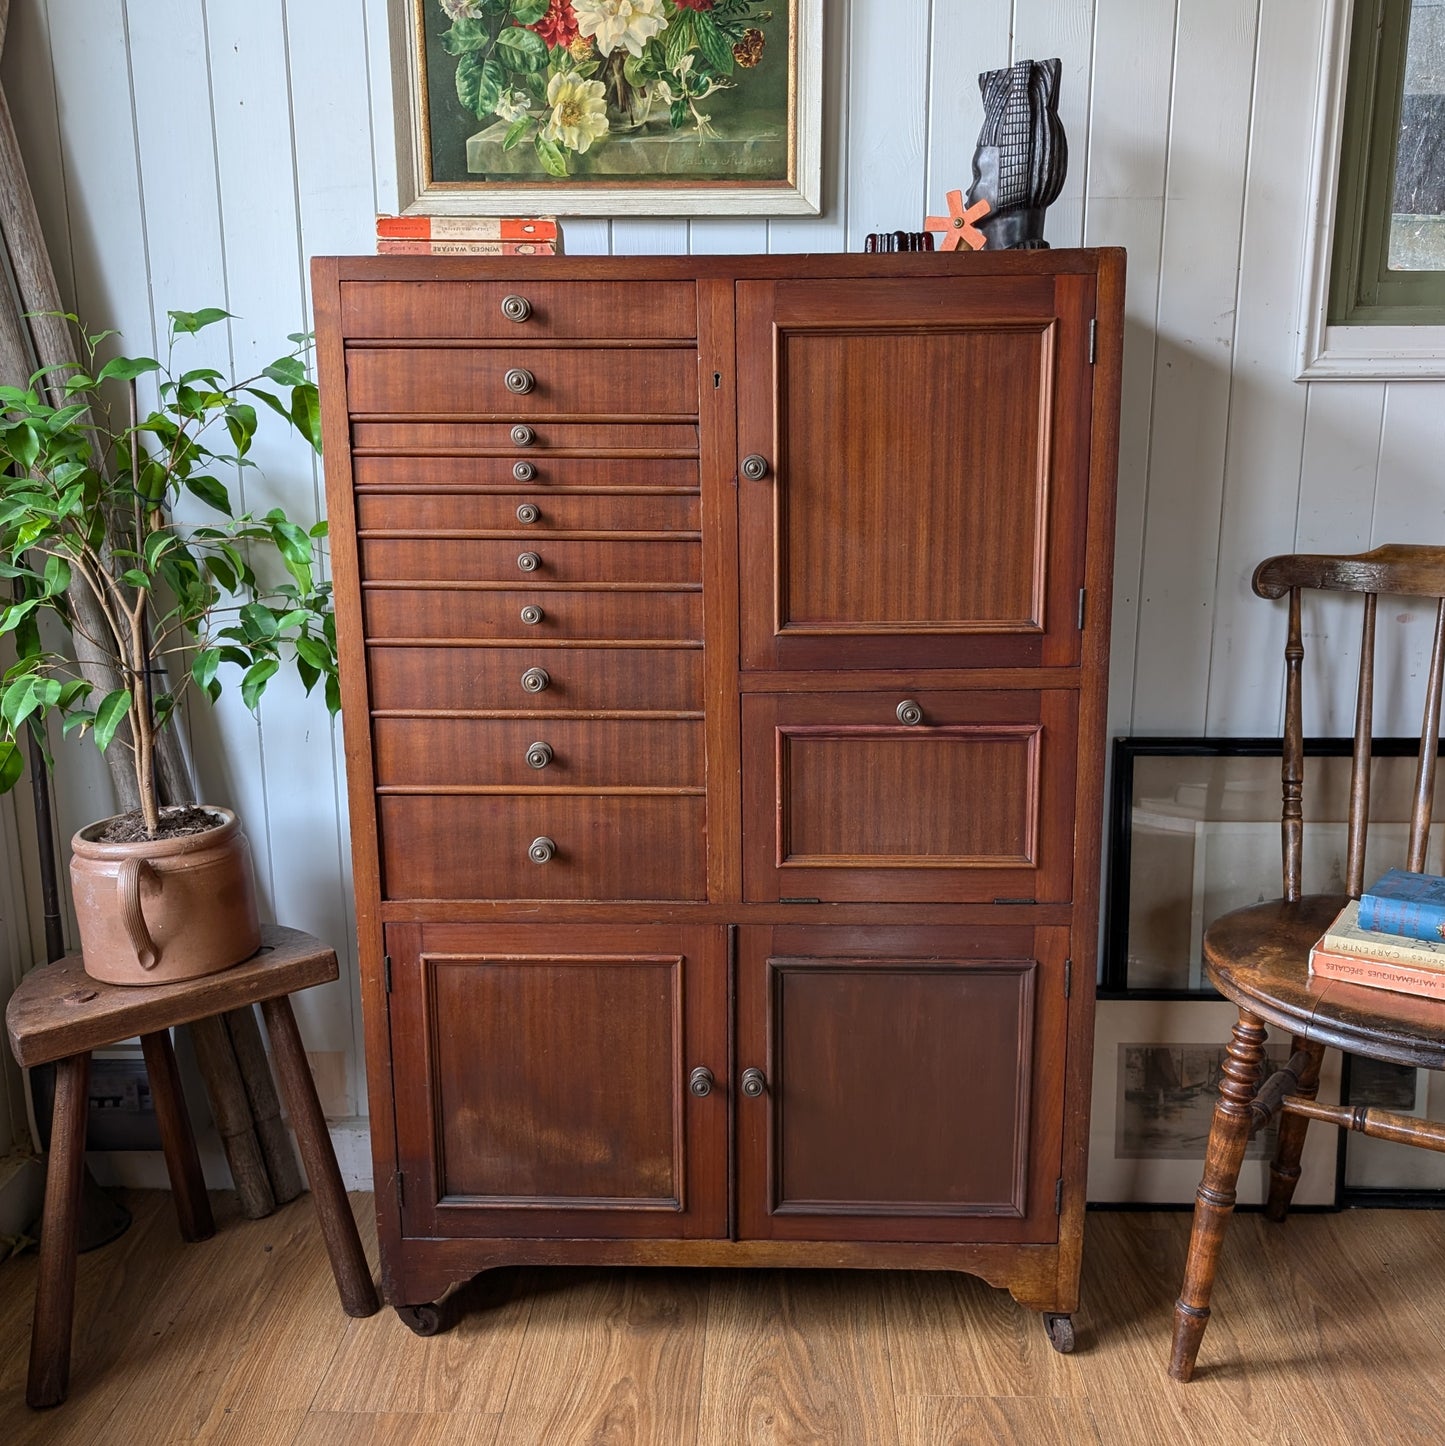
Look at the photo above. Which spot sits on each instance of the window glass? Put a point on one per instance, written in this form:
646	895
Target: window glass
1417	222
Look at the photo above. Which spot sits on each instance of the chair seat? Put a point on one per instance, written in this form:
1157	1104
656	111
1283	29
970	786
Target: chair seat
1259	958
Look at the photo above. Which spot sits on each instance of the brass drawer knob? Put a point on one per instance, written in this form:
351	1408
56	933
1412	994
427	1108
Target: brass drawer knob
523	436
536	680
539	755
524	471
532	615
516	308
909	712
528	512
542	850
753	1083
529	562
700	1081
519	380
755	467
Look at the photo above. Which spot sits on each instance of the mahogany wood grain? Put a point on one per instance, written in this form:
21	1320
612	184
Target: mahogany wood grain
557	309
396	451
609	846
568	614
586	753
606	677
178	1140
557	511
481	559
471	382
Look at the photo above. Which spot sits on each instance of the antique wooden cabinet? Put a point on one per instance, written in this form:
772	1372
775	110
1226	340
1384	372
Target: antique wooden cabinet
724	647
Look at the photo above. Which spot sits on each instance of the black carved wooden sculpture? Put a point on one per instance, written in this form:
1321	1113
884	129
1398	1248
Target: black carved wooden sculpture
1022	157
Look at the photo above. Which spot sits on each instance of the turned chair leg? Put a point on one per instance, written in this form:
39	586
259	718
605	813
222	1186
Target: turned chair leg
178	1140
1228	1139
49	1377
1284	1170
333	1210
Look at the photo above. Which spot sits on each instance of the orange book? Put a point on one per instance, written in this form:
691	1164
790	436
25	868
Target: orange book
386	247
467	228
1377	973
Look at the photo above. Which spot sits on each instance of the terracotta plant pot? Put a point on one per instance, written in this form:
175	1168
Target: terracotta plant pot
162	910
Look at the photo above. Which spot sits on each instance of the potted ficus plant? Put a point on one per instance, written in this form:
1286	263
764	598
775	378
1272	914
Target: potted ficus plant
92	536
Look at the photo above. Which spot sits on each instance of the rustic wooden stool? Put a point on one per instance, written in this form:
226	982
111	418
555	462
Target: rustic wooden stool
60	1014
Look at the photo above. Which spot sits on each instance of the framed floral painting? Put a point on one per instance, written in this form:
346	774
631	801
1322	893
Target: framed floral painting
608	107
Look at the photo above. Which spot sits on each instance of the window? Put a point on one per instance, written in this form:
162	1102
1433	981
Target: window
1388	258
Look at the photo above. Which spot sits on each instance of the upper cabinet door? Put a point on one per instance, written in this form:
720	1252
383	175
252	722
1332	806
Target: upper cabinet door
924	450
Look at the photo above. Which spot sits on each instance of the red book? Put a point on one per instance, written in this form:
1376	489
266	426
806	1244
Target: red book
386	247
467	228
1377	973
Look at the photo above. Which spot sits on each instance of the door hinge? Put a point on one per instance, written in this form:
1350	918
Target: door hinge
386	971
1059	1196
1083	600
1068	977
1093	338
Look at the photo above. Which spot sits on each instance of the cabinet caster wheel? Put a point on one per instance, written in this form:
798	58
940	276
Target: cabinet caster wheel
424	1320
1060	1330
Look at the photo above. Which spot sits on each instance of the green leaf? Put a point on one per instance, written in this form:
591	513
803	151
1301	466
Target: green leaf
241	424
333	694
188	322
73	692
202	374
134	577
528	12
679	38
270	399
127	368
57	575
253	683
222	571
306	414
211	492
157	545
522	50
515	132
82	718
286	371
319	529
713	43
259	622
19	700
309	675
480	83
204	666
315	652
24	445
12	765
551	157
465	36
113	708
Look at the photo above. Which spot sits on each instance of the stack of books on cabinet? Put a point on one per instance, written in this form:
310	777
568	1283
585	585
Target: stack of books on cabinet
1391	937
468	236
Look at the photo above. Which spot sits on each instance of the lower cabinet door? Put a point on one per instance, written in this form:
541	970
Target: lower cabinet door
546	1079
908	1083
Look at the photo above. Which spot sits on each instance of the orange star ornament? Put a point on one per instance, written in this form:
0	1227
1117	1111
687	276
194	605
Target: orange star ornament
957	227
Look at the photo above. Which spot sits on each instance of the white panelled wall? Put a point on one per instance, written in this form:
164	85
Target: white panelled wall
197	152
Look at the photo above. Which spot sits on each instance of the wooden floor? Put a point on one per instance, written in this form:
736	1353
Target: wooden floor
1325	1330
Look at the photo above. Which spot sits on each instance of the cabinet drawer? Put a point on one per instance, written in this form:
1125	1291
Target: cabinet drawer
489	680
591	753
614	381
974	802
491	559
553	614
605	309
476	846
549	511
414	442
544	471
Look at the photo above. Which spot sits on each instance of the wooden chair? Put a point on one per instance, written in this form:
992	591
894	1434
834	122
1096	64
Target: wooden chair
60	1014
1259	956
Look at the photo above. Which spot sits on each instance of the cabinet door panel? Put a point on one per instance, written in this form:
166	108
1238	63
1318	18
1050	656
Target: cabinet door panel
913	1082
843	801
929	453
542	1079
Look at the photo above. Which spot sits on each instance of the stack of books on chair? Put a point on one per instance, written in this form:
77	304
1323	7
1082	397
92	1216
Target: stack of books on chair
1391	937
468	236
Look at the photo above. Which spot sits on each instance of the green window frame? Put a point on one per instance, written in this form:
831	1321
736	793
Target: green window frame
1363	290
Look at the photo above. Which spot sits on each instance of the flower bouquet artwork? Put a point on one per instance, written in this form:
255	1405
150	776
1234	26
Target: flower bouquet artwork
571	97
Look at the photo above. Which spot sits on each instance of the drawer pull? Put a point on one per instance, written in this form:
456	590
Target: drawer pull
519	380
524	471
909	712
536	680
528	512
539	755
755	467
532	615
516	308
541	850
753	1083
523	436
700	1081
529	562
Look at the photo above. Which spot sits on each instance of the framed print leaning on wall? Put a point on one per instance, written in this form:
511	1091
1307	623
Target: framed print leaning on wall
608	107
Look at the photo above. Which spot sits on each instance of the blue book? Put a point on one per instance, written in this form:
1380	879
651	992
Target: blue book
1404	903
